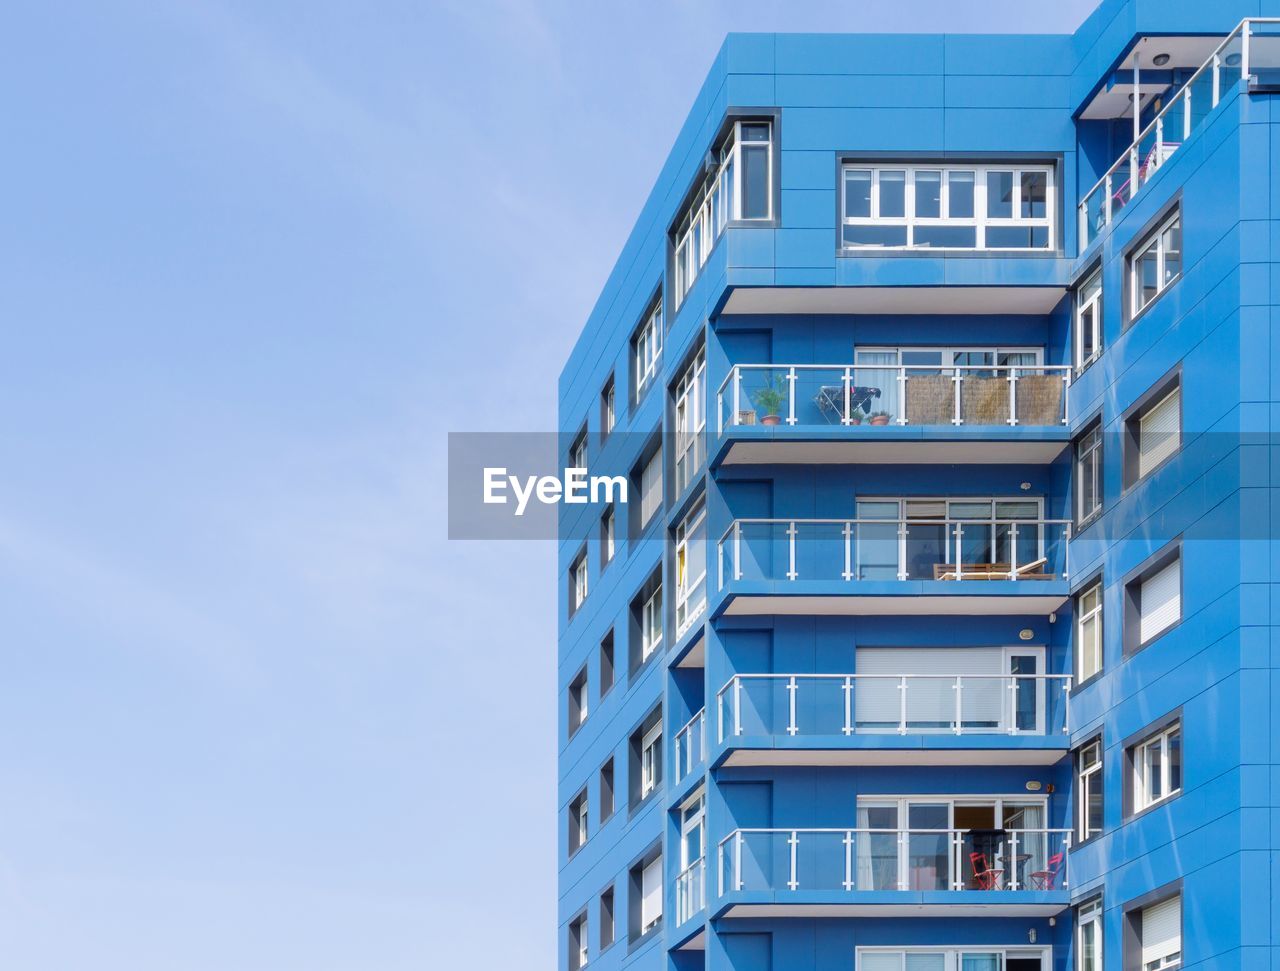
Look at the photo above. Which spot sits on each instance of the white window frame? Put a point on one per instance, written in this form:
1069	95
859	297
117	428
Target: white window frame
1169	959
579	695
1089	449
953	954
947	355
655	918
1089	914
650	759
578	451
580	811
690	419
689	609
651	625
1087	777
693	816
651	492
717	202
609	523
1142	767
1091	304
580	931
980	221
609	413
578	575
1136	306
647	349
1089	618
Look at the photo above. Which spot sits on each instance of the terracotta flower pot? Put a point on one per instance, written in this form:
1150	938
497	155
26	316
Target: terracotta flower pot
880	420
771	420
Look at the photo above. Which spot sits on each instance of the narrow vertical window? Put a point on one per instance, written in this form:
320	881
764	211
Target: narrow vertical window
1089	321
607	526
651	624
578	451
651	760
608	921
691	567
1089	936
1089	780
1089	474
578	822
651	488
1155	264
690	420
578	702
1089	633
1157	768
1160	934
646	351
608	409
606	664
578	583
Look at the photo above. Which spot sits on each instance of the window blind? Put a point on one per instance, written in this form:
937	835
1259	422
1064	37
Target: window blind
1161	930
1160	601
1158	433
651	893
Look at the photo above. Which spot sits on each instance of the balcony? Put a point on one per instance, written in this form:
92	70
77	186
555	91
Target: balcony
814	413
1250	52
691	891
908	719
690	746
893	872
893	566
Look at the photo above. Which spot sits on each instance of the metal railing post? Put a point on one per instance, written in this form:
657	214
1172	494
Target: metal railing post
791	548
1013	859
848	398
848	705
793	883
1133	169
958	687
1013	396
902	396
956	418
1013	705
902	705
848	860
737	704
1245	30
737	860
737	550
1186	113
792	728
1217	85
791	396
848	551
737	395
1013	551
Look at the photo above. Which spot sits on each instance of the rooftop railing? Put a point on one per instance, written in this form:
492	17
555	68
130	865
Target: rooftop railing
800	705
869	860
886	549
1252	49
821	395
691	745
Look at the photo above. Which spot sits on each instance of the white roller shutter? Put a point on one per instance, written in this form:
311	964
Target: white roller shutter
929	699
651	893
651	488
1162	930
1159	433
880	961
1160	601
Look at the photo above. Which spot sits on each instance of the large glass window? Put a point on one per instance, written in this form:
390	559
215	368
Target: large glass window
1155	264
651	760
1089	787
1160	935
1157	767
690	420
1005	207
1154	434
651	488
651	625
1089	320
1089	632
691	567
739	188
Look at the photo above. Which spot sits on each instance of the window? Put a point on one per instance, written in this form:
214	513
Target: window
1089	320
646	350
1153	601
606	791
650	760
1158	932
578	451
1089	790
606	664
578	583
1006	207
607	919
1152	434
607	528
651	488
690	420
1157	767
578	822
1088	633
1089	474
578	943
740	187
1089	935
1155	264
691	567
608	409
975	958
651	625
651	895
692	831
577	701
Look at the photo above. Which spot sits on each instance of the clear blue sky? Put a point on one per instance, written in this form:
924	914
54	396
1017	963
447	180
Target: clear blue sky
255	260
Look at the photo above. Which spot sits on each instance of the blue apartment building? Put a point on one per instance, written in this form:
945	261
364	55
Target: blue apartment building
936	631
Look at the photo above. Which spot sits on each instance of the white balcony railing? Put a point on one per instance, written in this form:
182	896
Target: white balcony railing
856	861
799	705
691	745
1252	49
821	395
888	549
691	890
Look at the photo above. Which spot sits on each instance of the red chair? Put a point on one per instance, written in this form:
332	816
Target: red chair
983	875
1046	878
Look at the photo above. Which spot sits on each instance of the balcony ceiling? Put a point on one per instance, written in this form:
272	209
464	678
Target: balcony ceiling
894	300
1112	100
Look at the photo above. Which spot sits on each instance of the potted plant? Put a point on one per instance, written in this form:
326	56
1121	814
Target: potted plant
879	418
770	399
855	416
